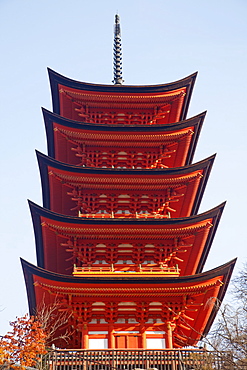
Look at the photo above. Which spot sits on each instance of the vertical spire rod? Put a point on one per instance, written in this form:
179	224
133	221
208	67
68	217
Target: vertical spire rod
117	53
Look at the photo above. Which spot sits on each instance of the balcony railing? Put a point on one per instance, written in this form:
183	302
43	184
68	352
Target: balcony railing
124	215
130	269
131	359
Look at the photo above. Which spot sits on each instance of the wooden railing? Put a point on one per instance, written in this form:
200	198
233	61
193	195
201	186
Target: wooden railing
124	215
131	359
128	269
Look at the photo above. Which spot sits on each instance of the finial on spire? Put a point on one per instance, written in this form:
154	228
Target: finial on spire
117	53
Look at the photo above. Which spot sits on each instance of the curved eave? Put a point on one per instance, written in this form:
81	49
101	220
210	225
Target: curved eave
56	79
210	239
51	118
227	276
37	212
224	270
45	162
40	211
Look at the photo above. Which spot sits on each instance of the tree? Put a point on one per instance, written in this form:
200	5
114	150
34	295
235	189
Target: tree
32	336
24	345
229	337
54	319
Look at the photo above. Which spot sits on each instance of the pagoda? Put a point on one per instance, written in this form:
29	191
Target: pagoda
120	244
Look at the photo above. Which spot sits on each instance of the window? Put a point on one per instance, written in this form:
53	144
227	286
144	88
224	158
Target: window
155	343
98	343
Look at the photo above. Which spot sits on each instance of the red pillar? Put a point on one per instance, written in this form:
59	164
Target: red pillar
170	327
111	338
143	337
84	339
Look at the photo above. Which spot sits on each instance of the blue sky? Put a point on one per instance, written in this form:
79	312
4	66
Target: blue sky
163	41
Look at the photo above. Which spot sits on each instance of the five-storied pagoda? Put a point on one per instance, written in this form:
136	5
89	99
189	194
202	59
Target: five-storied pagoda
120	244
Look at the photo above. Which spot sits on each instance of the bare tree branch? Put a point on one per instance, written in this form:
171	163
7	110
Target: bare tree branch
54	320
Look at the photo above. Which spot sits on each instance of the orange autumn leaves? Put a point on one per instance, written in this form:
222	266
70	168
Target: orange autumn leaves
24	344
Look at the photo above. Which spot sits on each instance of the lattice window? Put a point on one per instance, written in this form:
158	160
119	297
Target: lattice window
124	205
134	257
117	118
127	159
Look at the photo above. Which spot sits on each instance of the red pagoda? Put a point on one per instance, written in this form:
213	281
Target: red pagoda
119	241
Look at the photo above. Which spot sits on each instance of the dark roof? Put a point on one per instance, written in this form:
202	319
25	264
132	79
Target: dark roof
40	211
224	270
45	161
197	278
196	121
56	79
37	212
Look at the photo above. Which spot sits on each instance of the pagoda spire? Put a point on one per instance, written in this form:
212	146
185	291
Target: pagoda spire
117	53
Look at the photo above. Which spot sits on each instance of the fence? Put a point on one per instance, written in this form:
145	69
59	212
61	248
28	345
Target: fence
135	359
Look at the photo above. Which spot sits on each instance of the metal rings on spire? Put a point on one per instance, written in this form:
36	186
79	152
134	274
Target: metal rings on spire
117	53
